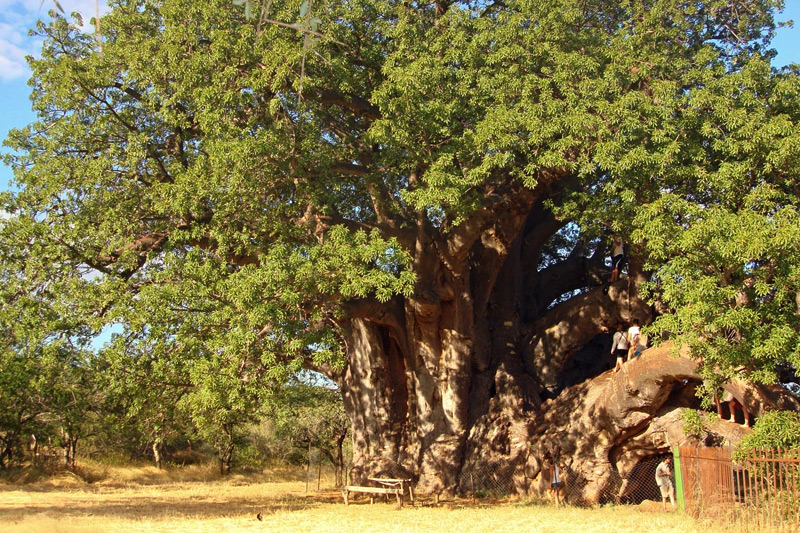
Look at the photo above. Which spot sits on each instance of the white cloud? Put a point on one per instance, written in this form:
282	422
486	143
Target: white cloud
12	59
17	17
15	20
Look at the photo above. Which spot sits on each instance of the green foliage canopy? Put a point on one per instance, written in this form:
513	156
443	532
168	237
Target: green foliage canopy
218	183
724	244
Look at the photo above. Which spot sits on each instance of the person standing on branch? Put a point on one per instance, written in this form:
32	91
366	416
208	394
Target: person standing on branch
634	340
733	405
619	346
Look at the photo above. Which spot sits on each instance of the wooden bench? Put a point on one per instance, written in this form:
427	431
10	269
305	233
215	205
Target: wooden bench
387	486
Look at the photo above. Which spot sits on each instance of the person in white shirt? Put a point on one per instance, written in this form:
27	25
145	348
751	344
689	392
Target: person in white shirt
556	488
619	346
617	257
664	482
636	346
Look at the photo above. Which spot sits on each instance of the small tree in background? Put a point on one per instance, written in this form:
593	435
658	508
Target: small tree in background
75	396
19	408
147	386
221	405
313	416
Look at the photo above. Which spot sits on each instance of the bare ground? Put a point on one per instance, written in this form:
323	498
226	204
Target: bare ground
153	501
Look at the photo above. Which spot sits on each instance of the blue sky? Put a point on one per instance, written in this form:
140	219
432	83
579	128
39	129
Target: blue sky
18	16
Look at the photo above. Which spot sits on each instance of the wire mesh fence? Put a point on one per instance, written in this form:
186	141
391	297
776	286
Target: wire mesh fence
498	481
761	492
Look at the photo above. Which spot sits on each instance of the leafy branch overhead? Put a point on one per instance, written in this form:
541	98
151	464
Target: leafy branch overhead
309	27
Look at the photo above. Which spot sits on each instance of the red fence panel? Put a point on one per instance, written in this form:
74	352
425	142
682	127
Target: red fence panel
760	493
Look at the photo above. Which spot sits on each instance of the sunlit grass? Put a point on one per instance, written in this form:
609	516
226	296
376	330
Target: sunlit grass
195	499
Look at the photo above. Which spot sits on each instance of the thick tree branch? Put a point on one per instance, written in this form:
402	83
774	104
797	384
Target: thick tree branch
502	203
142	246
239	260
569	326
515	200
542	230
356	104
389	314
326	221
382	204
350	169
573	273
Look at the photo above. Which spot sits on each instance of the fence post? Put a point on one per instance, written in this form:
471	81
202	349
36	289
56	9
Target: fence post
678	479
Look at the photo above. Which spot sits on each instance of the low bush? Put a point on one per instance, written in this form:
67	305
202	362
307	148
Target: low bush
775	429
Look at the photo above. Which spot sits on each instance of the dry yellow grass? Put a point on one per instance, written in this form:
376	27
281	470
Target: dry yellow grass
195	500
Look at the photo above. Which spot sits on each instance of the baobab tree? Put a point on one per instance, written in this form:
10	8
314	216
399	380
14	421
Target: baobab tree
415	199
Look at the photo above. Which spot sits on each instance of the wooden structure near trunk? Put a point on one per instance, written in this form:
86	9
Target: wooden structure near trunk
761	492
385	486
704	480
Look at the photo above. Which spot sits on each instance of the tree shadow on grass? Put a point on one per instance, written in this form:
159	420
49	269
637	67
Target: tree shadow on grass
157	505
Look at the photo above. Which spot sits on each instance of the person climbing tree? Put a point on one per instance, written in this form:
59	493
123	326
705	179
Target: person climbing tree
617	256
619	346
635	340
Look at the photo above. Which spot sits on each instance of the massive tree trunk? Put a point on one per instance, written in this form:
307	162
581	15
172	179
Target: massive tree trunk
447	386
417	364
407	384
446	382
